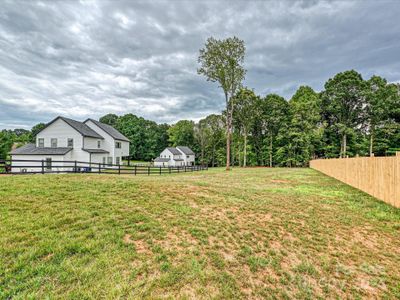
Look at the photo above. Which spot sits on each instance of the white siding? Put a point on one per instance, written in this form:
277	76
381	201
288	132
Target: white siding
36	165
62	131
108	143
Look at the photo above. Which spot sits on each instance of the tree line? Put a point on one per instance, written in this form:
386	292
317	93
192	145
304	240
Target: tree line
350	116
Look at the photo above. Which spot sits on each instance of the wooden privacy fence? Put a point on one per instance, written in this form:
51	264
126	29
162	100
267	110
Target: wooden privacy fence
377	176
20	167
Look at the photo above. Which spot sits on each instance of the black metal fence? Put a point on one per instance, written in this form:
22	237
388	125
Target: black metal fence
23	166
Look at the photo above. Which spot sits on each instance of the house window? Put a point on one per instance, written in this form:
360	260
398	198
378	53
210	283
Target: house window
53	143
70	143
117	160
187	156
48	163
110	160
118	145
98	144
41	143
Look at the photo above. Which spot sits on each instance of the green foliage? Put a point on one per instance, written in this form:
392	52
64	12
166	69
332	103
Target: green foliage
109	119
182	134
222	61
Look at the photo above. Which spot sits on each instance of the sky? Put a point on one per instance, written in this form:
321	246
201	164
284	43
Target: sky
83	59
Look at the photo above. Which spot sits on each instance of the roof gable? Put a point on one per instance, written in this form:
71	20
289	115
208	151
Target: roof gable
82	128
111	131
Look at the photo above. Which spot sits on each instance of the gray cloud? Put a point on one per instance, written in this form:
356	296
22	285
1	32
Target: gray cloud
85	59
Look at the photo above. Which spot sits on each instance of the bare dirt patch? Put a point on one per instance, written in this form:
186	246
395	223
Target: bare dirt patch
140	245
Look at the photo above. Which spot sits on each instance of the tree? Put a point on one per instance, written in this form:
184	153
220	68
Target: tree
344	102
35	130
245	109
110	119
275	113
222	61
305	125
202	133
380	100
182	134
6	142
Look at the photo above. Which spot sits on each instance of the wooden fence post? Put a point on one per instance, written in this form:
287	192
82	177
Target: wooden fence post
119	169
42	166
160	170
75	167
148	170
135	169
99	168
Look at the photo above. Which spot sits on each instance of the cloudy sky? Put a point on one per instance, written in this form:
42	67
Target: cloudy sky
88	58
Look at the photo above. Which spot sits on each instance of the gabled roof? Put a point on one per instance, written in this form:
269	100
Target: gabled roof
78	126
174	151
114	133
161	159
186	150
31	149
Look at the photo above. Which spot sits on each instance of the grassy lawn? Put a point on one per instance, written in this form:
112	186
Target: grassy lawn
249	233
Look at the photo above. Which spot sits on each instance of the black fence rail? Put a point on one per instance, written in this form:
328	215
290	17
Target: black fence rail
21	166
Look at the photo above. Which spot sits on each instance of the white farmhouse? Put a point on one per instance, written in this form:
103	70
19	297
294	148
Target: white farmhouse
175	157
64	140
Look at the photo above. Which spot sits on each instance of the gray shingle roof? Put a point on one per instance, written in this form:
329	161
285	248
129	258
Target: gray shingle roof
186	150
110	130
178	159
96	150
174	151
78	126
161	159
31	149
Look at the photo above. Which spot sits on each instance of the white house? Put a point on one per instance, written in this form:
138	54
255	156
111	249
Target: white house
65	140
175	157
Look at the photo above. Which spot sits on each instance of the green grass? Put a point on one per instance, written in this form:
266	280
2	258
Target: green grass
248	233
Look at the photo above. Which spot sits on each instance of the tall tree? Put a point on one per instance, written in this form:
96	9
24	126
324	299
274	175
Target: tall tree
245	109
305	125
380	99
275	113
344	101
202	133
110	119
222	61
182	134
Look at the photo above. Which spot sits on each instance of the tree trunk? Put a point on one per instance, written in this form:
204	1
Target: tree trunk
213	156
228	149
270	152
228	133
245	150
344	145
371	143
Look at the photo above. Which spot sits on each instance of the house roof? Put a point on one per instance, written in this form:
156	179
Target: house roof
174	151
110	130
96	150
186	150
178	159
31	149
78	126
161	159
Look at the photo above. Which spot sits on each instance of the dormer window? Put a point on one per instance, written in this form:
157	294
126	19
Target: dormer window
53	143
41	142
118	145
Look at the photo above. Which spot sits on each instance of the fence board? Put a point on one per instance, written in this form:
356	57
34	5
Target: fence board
377	176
